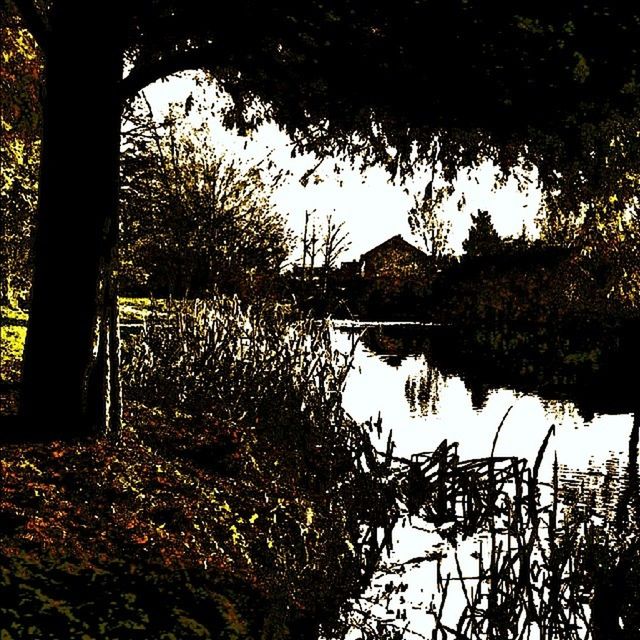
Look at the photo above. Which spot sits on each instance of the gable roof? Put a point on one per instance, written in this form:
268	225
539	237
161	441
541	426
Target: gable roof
396	242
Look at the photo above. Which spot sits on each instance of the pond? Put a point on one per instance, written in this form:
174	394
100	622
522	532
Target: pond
428	385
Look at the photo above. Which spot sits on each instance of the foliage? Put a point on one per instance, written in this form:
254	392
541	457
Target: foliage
604	242
61	597
267	483
12	340
552	86
322	238
427	226
97	538
193	220
335	241
20	77
582	267
255	370
272	382
275	370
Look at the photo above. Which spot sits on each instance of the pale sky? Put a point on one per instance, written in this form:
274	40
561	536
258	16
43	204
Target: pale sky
372	208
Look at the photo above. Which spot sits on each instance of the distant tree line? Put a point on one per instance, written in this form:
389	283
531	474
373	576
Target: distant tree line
588	273
585	270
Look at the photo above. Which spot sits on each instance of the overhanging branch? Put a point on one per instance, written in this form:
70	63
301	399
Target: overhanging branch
146	73
34	22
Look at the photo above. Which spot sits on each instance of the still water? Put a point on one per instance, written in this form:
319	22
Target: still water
427	387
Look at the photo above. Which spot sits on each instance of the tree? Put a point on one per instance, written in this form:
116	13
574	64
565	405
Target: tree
429	228
309	245
335	241
192	220
552	85
325	239
603	249
483	239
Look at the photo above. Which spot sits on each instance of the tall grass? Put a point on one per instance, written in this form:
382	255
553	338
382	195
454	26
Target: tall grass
547	563
255	366
275	378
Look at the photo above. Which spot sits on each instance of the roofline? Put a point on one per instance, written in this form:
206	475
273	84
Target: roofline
397	236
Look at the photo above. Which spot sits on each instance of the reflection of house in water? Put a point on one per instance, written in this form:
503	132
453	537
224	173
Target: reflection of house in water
394	344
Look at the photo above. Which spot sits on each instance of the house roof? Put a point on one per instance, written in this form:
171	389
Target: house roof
395	242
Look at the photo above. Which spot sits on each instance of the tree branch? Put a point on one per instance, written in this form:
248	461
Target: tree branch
145	74
33	21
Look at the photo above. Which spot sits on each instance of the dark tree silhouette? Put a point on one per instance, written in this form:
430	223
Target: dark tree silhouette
483	239
427	226
550	84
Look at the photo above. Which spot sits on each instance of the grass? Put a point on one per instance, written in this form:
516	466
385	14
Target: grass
12	315
273	383
13	331
134	310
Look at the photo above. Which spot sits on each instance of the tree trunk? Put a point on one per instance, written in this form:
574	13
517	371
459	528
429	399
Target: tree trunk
72	332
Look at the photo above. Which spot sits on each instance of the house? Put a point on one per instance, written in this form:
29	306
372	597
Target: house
395	261
350	269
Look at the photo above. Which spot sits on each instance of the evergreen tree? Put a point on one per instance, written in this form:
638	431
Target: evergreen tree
483	239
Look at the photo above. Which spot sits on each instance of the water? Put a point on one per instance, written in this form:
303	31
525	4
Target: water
386	379
429	385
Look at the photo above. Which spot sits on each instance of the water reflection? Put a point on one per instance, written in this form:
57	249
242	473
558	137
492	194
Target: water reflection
423	390
587	369
523	531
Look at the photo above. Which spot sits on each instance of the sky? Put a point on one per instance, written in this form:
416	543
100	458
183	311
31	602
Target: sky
372	208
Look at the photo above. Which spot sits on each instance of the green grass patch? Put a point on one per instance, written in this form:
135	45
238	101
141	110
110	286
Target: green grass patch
134	310
11	347
11	315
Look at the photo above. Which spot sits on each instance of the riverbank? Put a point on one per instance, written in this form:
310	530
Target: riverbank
167	533
236	491
175	545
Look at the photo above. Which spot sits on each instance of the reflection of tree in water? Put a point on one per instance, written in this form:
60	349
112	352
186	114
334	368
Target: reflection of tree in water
559	410
422	391
595	490
588	368
479	393
556	560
